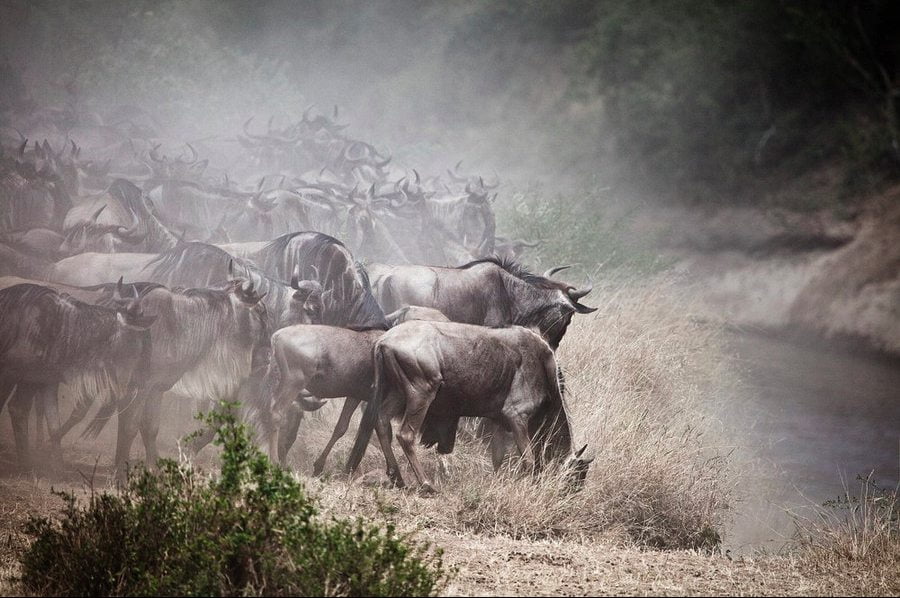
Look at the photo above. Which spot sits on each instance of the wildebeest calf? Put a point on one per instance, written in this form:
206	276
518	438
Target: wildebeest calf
437	372
320	362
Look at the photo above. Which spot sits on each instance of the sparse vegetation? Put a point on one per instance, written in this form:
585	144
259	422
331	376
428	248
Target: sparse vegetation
251	529
860	531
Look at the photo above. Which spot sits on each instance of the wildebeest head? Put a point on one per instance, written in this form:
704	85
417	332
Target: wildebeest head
576	469
308	300
549	304
249	308
128	309
93	235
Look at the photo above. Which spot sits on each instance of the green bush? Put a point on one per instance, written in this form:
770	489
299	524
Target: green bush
251	529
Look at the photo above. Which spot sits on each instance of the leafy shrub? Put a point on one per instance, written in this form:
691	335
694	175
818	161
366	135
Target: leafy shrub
252	529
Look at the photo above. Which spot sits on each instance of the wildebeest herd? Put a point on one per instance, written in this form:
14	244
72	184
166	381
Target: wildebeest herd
128	273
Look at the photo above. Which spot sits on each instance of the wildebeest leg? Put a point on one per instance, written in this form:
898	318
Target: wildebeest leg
416	409
289	383
287	433
82	406
130	410
519	431
350	405
19	410
7	388
150	426
385	436
499	440
46	409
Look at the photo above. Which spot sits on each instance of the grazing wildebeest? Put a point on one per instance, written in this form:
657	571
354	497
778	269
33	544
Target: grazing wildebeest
433	373
48	337
319	362
487	292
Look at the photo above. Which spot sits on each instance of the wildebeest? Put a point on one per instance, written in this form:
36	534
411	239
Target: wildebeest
118	219
433	373
32	193
48	337
350	302
204	344
191	264
319	362
487	292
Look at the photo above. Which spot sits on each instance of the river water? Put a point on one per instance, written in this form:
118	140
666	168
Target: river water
805	420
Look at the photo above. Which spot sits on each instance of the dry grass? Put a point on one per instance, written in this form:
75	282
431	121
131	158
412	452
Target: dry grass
635	371
859	532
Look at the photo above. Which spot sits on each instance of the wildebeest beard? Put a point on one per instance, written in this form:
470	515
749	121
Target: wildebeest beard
533	300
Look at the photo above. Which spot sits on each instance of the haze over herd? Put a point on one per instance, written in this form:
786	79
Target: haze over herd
316	270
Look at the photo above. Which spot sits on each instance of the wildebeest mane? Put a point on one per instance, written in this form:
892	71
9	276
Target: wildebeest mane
514	268
69	330
323	258
185	264
367	305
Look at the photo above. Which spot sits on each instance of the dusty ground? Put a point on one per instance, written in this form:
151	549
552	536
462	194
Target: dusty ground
501	566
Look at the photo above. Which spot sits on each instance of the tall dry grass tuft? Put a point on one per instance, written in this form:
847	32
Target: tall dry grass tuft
639	374
855	528
643	375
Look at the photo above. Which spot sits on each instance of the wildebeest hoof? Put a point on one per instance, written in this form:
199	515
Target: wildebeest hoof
318	468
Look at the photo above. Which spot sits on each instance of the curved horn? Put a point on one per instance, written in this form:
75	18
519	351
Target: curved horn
119	292
154	155
194	153
22	148
549	273
248	133
97	213
295	278
230	269
580	452
576	294
416	172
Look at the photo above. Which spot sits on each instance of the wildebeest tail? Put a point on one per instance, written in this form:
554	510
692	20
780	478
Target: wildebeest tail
370	415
